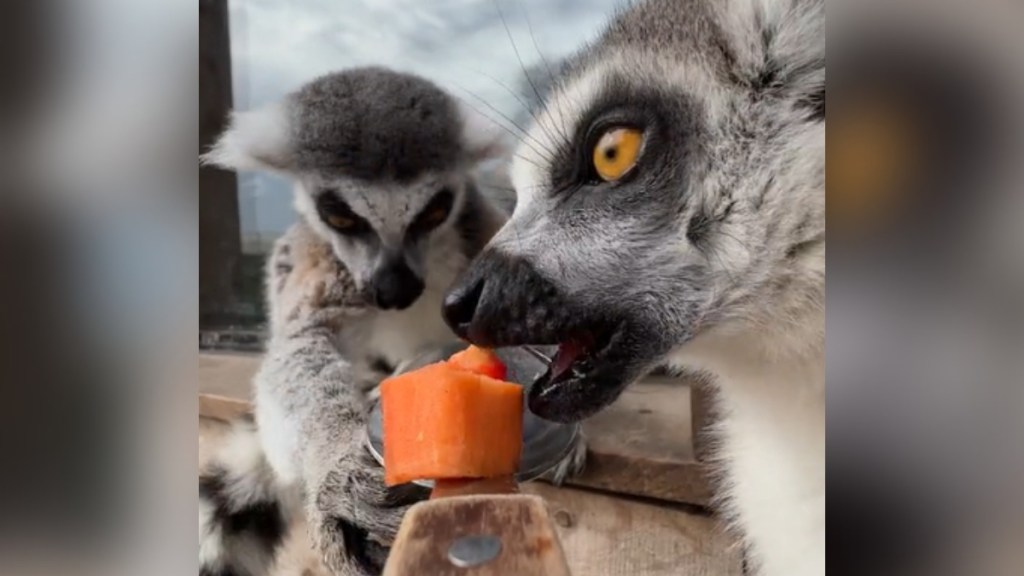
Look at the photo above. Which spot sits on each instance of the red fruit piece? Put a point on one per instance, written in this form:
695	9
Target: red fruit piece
479	361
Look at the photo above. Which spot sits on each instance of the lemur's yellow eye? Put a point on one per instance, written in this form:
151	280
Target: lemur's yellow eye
617	152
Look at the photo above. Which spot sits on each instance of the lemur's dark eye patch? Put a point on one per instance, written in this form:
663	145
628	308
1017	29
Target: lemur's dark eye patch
611	141
434	213
337	214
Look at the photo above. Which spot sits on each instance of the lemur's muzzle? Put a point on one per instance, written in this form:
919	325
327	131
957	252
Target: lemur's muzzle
394	285
503	301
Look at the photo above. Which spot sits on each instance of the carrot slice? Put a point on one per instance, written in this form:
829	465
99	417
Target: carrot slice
442	422
479	361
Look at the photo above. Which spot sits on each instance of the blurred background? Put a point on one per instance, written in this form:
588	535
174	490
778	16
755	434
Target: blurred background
109	278
925	331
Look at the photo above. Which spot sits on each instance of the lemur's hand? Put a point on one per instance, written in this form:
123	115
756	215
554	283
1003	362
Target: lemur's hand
309	287
353	517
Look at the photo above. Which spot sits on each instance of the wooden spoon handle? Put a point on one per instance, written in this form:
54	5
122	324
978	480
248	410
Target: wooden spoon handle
477	535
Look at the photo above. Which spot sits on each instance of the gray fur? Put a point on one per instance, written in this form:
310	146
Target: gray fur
372	124
710	254
714	228
329	340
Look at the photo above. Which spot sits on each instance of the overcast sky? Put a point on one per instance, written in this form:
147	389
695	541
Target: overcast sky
277	45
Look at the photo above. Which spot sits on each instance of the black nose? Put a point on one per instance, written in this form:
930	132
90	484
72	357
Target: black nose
396	287
504	301
460	306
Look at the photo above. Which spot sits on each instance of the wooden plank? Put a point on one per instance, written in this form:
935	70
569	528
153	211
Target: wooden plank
227	374
518	523
601	534
223	408
607	535
642	445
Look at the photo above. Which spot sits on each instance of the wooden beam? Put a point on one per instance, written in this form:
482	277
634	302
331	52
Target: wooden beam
220	244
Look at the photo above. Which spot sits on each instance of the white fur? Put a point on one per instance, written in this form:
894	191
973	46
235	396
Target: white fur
559	117
210	549
400	335
772	441
279	436
250	479
256	140
484	139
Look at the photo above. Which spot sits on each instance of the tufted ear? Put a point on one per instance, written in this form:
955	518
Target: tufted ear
254	140
484	139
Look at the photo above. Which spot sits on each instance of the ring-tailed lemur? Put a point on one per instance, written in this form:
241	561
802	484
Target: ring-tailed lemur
381	163
671	207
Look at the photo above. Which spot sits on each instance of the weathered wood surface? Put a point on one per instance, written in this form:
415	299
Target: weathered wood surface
604	534
601	534
529	544
642	445
223	408
227	374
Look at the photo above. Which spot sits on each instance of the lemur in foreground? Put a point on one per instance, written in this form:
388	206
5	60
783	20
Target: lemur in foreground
671	207
389	216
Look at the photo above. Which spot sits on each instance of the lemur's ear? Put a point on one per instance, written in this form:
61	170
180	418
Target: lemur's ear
484	139
779	46
254	140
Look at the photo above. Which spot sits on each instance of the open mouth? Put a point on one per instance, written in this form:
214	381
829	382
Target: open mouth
588	371
503	301
573	358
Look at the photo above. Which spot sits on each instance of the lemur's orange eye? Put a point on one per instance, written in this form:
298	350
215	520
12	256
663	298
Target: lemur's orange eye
339	216
436	216
617	152
341	222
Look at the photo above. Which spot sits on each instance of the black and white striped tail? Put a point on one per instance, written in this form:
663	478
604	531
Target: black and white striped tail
243	512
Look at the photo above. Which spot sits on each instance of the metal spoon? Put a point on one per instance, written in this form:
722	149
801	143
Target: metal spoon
537	354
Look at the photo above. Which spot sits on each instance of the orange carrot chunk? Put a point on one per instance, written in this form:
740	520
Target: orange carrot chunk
479	361
441	422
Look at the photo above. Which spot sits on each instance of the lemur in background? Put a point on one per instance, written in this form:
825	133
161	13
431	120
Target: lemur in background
671	208
389	216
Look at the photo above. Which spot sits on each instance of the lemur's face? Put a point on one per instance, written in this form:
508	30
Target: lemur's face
382	231
672	187
381	161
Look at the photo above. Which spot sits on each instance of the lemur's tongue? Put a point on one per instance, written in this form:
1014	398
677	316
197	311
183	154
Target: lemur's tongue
568	352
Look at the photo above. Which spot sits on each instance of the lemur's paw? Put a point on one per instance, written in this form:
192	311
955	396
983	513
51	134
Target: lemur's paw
572	464
354	517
